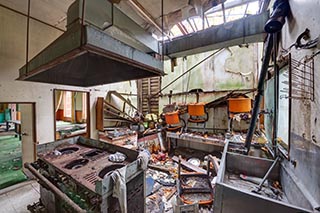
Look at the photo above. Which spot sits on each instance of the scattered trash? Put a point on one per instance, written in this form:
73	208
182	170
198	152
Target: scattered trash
117	157
194	161
56	152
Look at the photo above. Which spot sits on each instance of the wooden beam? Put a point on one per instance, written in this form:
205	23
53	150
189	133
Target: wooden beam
189	165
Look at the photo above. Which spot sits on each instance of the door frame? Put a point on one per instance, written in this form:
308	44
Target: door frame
34	133
88	111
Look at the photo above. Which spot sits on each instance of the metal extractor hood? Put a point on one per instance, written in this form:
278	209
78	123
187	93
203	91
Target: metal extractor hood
85	55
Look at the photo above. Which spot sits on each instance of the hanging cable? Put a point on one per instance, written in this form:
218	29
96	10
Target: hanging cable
162	33
200	62
27	42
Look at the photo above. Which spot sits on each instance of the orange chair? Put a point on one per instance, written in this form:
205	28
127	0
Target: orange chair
198	114
237	106
173	121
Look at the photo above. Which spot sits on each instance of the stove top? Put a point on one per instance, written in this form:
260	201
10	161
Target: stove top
85	165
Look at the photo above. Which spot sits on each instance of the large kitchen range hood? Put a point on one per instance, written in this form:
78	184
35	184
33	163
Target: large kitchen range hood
85	55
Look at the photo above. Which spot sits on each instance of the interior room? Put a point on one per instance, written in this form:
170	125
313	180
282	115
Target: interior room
159	106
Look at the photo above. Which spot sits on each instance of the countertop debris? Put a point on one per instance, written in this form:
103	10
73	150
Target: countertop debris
270	189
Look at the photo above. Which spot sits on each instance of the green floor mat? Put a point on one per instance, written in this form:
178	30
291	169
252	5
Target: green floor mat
10	161
11	177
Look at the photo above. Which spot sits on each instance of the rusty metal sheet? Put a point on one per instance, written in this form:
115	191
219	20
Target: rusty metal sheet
100	59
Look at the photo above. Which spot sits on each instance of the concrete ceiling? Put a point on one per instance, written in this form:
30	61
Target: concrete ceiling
174	11
49	11
54	12
13	34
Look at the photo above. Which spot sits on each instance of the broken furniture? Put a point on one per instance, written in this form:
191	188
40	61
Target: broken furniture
195	141
106	112
120	136
197	112
238	107
194	188
76	176
233	194
174	122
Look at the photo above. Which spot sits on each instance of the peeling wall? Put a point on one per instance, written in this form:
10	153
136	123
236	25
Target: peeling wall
233	68
305	134
12	57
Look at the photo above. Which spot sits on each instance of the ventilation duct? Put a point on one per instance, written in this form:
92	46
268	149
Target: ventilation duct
85	55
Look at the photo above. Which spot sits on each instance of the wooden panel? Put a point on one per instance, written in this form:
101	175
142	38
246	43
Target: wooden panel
59	115
146	88
99	114
79	116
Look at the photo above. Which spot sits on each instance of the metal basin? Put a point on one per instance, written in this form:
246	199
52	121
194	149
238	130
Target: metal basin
76	164
109	169
68	150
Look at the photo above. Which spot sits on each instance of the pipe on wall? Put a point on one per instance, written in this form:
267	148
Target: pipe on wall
281	10
54	189
260	89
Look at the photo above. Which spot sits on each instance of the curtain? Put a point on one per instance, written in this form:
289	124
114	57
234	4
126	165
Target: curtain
58	96
84	106
73	107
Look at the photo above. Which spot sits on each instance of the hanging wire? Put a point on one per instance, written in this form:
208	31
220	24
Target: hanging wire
187	89
27	43
189	70
162	32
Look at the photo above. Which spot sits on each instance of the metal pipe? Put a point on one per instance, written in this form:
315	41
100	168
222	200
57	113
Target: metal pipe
82	22
268	173
276	95
210	92
54	189
146	15
290	104
257	101
281	9
27	38
162	34
112	17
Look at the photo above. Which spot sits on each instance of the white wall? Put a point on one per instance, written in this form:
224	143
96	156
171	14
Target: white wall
12	57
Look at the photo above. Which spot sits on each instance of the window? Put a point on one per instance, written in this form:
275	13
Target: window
84	106
234	9
67	109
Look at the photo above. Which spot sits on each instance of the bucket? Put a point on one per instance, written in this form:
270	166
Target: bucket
172	117
196	109
239	105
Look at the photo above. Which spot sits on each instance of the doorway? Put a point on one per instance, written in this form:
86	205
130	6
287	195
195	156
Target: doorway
71	114
17	141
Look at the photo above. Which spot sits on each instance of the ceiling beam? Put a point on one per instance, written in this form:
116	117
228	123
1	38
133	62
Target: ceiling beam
147	16
228	5
245	30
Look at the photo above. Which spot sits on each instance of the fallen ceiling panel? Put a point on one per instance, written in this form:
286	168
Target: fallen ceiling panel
246	30
97	59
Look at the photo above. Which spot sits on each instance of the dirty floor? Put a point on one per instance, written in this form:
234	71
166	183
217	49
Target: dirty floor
15	199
